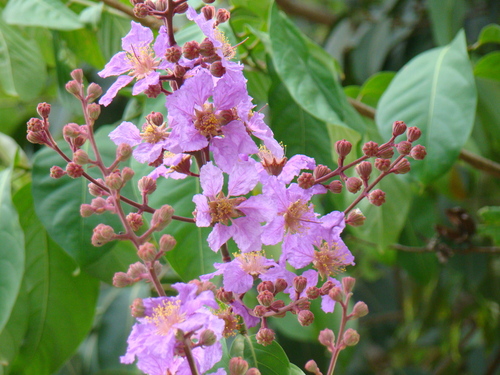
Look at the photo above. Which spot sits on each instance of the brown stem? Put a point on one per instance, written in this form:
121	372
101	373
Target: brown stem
189	356
148	21
226	258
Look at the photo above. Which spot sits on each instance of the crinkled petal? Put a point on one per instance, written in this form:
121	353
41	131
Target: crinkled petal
243	311
120	83
203	217
142	85
137	36
211	180
118	65
147	152
242	179
273	232
259	207
299	253
247	234
127	133
219	236
230	91
293	167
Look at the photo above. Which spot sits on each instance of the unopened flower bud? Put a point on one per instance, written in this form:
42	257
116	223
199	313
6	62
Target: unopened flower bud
159	5
216	69
74	88
418	152
335	186
153	91
404	147
86	210
313	292
208	12
43	110
93	92
413	133
94	111
359	310
320	171
57	172
376	197
353	184
155	118
370	148
266	285
137	270
336	294
351	337
181	8
35	124
37	138
207	48
265	298
305	318
386	153
135	220
280	285
299	283
326	287
137	308
102	235
162	217
147	252
259	310
114	181
238	366
121	279
364	170
265	336
173	54
77	75
348	284
123	152
207	338
179	71
191	50
227	115
326	337
343	147
80	157
74	170
382	164
306	180
99	205
208	1
398	128
141	10
276	306
402	167
355	218
224	296
147	185
312	366
71	130
223	15
303	304
95	190
167	243
127	174
253	371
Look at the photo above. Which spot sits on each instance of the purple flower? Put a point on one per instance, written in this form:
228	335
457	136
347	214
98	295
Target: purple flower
153	338
173	165
138	60
213	207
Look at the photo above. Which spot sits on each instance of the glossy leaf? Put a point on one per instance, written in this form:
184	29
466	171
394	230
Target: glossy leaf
61	298
21	63
488	66
447	17
270	360
52	14
373	89
490	223
435	92
310	74
489	34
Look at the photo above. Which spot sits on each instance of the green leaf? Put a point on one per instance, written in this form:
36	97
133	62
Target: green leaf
83	43
490	223
295	370
21	63
110	33
52	14
11	252
488	114
61	298
447	17
57	202
489	34
310	74
436	92
488	66
373	89
270	360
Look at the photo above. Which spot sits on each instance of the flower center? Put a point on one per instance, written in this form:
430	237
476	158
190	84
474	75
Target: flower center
166	315
207	122
223	209
295	216
228	51
252	263
152	133
328	261
271	164
142	61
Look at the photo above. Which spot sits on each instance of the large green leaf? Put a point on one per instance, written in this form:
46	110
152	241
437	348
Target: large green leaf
21	63
61	298
488	66
489	34
57	203
436	92
488	114
310	74
52	14
11	250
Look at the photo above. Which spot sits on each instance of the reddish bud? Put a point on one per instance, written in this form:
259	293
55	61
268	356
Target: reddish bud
335	186
238	366
74	88
121	279
353	184
364	170
137	270
162	217
224	296
207	48
265	298
135	220
303	304
43	110
153	90
207	338
94	111
208	1
208	12
216	69
127	174
382	164
306	180
326	287
147	185
191	50
173	54
102	235
147	252
305	318
377	197
99	205
71	130
260	310
57	172
95	190
312	366
418	152
336	294
86	210
223	15
398	128
93	92
313	292
37	138
179	71
77	75
280	285
320	171
370	148
265	286
343	147
351	337
137	308
326	337
80	157
156	118
386	153
348	284
114	181
278	305
265	336
181	8
404	147
299	283
413	133
359	310
402	167
123	152
74	170
355	218
253	371
35	125
167	243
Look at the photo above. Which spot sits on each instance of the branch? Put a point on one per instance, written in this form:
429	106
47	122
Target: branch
470	158
148	21
314	14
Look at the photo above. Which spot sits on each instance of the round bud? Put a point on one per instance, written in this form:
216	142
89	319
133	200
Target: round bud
370	148
191	50
224	296
162	217
86	210
320	171
207	48
336	294
208	12
280	285
238	366
147	252
181	8
404	147
353	184
386	153
313	292
223	15
74	170
102	235
306	180
114	181
80	157
135	220
343	147
326	287
376	197
265	336
121	279
37	138
216	69
57	172
359	310
74	88
335	186
382	164
173	54
299	283
364	170
72	130
351	337
326	337
179	71
35	124
167	243
305	318
207	338
418	152
43	110
402	167
127	174
312	366
93	92
94	111
355	218
348	284
413	133
137	308
266	285
123	152
77	75
147	185
265	298
398	128
259	310
99	205
253	371
137	270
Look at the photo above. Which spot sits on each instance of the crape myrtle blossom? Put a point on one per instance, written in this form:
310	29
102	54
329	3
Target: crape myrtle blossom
138	60
153	340
175	166
213	207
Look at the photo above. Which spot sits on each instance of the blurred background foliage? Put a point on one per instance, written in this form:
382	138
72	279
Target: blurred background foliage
428	261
